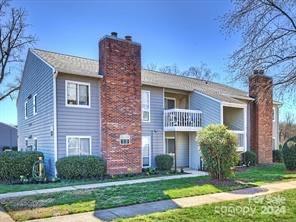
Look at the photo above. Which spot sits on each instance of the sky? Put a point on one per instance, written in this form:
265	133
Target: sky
180	32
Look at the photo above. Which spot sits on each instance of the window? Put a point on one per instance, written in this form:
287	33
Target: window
35	144
77	94
170	145
170	103
26	142
145	106
26	110
78	145
146	151
35	104
124	139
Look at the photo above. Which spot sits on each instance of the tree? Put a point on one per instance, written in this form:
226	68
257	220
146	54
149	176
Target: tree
14	40
202	71
287	127
268	29
218	147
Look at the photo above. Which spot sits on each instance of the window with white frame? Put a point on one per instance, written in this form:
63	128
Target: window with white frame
26	110
125	139
145	106
78	145
35	144
77	94
35	104
146	151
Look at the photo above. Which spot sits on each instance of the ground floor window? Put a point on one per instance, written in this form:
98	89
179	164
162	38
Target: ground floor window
170	145
35	144
146	151
78	145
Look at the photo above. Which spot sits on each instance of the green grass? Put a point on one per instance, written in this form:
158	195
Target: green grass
285	211
6	188
47	205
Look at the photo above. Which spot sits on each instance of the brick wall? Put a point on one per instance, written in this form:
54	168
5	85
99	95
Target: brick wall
260	88
120	65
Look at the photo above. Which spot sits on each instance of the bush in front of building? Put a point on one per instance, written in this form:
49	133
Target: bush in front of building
80	167
289	153
249	158
14	165
164	162
218	147
277	156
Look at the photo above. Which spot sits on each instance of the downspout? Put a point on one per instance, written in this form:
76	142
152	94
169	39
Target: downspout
55	142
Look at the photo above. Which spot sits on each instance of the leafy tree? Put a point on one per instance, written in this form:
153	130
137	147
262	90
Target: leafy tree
218	147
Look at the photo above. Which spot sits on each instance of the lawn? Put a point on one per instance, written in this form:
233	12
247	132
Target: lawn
5	188
260	209
47	205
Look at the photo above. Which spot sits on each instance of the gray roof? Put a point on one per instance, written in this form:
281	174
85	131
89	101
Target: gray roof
89	67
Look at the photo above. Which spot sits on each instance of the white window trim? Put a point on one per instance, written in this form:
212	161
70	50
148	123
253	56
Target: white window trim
171	98
273	114
79	137
78	83
149	139
35	139
146	91
26	109
34	105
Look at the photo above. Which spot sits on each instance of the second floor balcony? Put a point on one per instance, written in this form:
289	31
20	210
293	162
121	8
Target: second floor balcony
182	120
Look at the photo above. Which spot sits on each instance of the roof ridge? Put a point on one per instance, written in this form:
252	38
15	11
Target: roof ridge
64	54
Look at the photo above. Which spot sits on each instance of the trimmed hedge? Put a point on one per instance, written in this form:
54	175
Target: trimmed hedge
164	162
79	167
289	153
277	156
249	158
14	164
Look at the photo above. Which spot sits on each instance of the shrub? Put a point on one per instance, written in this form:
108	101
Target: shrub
289	153
249	158
218	147
15	164
78	167
164	162
277	156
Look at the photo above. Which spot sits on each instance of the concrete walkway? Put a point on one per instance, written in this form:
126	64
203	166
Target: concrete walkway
101	185
152	207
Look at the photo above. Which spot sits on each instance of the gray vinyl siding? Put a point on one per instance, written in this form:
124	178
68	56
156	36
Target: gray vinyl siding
154	128
211	109
8	136
233	118
75	121
37	79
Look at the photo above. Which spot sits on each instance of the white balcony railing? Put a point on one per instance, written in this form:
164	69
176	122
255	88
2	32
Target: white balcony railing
240	135
182	120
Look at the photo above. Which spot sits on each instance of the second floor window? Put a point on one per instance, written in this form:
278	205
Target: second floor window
35	104
77	94
145	106
26	110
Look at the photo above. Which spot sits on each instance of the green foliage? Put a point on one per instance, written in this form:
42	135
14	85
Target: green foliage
277	156
78	167
289	153
164	162
15	164
249	158
218	147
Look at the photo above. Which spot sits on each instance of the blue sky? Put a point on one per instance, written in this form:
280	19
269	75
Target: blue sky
171	32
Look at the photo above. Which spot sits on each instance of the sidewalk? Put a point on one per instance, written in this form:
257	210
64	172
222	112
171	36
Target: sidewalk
101	185
152	207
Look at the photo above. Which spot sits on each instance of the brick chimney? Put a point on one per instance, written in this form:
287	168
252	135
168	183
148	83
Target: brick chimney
260	88
120	65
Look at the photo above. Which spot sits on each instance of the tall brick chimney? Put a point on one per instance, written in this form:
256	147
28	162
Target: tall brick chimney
260	88
120	65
